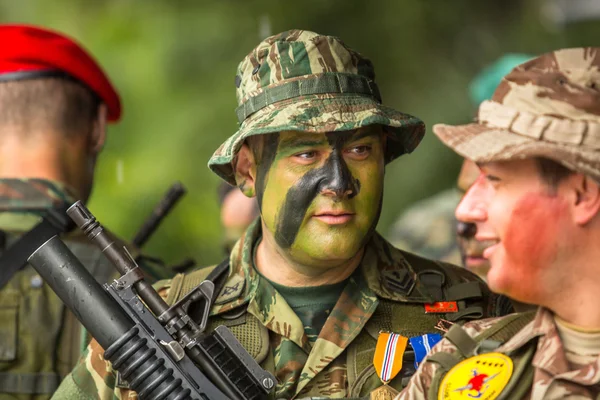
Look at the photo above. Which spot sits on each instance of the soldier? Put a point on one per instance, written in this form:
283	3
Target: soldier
538	198
55	102
237	213
429	227
312	291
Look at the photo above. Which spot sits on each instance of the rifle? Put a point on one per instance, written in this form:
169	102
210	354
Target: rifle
159	349
152	222
164	207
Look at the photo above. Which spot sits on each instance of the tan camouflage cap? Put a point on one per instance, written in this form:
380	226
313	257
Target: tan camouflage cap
547	107
302	81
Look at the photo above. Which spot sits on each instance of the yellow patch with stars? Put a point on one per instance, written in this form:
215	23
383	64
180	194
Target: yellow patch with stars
482	377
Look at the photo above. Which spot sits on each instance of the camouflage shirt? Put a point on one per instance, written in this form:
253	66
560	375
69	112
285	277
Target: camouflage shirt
553	377
385	293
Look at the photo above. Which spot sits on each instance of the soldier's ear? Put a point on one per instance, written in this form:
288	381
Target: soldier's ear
245	171
587	198
98	134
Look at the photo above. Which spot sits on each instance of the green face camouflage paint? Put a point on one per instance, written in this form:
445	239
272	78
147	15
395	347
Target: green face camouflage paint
320	194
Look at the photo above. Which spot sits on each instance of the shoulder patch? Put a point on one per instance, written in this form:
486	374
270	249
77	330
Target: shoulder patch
398	281
231	290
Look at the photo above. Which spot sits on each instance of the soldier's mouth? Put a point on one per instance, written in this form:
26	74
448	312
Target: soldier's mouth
487	253
334	217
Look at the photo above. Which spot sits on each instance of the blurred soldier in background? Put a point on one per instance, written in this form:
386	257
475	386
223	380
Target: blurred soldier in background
538	199
237	213
55	102
311	290
429	227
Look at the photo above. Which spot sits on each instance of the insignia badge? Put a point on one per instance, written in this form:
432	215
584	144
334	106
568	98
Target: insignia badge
384	392
441	307
480	377
232	289
398	281
389	353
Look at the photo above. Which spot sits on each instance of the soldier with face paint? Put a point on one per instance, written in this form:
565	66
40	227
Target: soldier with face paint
537	198
312	291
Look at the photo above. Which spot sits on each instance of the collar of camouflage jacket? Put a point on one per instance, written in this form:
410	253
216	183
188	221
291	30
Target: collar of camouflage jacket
550	355
384	273
23	200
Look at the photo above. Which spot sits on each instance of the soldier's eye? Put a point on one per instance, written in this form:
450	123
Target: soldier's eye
307	155
359	152
492	178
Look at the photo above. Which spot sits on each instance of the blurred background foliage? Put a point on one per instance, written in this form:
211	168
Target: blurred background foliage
174	63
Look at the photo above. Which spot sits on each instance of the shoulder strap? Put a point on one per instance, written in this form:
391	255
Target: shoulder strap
182	284
54	221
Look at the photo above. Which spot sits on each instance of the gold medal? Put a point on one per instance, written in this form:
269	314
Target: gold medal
481	377
384	392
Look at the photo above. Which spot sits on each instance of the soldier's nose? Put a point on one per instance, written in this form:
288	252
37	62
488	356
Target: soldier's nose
466	229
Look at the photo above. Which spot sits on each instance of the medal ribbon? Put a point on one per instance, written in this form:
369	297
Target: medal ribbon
388	355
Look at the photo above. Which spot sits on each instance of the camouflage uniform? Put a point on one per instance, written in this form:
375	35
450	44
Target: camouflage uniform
536	349
547	107
32	364
306	82
386	293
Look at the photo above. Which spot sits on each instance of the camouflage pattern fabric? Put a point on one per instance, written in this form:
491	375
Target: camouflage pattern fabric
330	366
32	364
301	81
553	378
547	107
428	228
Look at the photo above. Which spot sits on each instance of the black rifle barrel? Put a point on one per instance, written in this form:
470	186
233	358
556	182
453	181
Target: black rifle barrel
175	192
82	294
116	253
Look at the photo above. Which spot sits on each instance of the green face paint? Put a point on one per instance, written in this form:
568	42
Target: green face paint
320	194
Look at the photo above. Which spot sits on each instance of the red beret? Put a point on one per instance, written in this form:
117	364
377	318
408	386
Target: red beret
29	52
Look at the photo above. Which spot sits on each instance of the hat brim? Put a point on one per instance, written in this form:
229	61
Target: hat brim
481	144
321	114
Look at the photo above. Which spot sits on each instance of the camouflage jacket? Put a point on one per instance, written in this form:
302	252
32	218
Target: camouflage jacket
540	371
387	292
33	364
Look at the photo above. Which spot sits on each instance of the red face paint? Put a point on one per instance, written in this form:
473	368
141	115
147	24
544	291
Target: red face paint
523	262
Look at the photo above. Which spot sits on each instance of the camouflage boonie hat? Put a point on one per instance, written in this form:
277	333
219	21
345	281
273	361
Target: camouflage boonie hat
547	107
302	81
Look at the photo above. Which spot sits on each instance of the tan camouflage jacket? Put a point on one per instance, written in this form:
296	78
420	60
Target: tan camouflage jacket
545	374
387	292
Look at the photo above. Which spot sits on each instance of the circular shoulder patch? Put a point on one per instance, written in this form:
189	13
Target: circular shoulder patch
481	377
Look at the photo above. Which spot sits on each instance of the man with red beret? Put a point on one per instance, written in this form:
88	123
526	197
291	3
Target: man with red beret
55	102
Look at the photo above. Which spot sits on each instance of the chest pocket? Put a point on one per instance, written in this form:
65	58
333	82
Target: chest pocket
9	314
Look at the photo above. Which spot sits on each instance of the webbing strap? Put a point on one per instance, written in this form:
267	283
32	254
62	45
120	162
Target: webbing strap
329	82
506	327
463	342
466	290
445	360
471	312
41	383
54	222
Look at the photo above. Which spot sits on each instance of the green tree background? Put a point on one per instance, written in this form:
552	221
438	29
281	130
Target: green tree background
174	64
